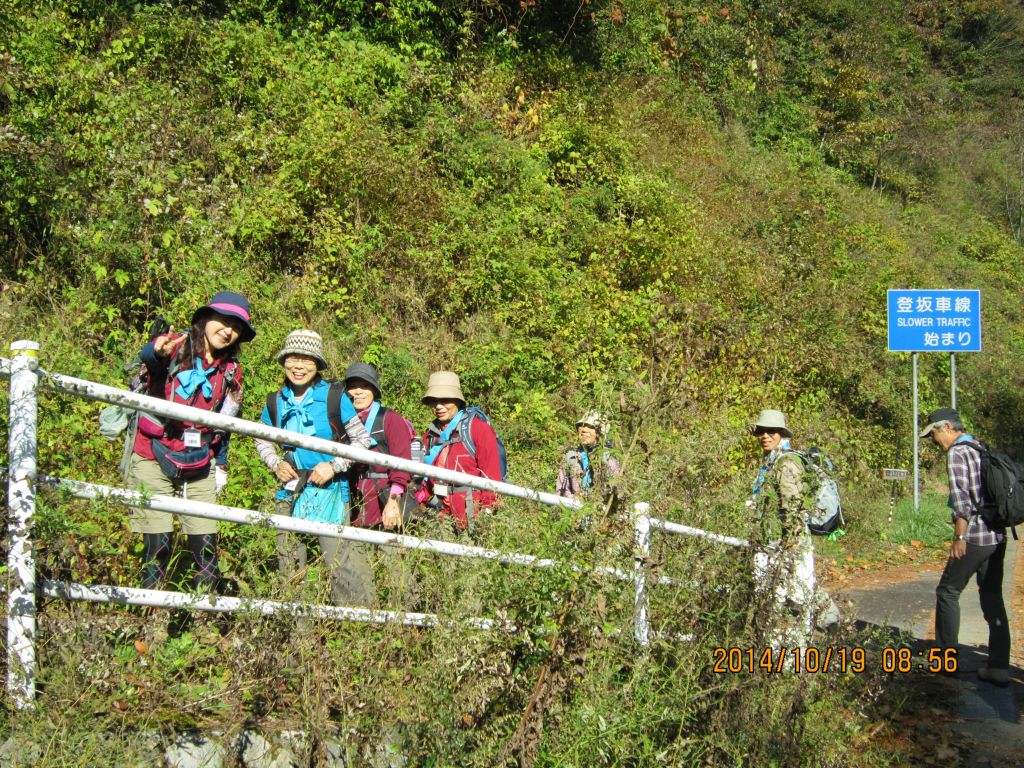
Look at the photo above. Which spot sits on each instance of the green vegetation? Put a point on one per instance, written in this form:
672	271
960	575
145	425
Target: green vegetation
678	212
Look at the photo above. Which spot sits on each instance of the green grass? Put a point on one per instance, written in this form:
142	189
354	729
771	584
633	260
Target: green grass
928	525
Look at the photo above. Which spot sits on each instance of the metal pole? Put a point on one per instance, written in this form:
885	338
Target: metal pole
917	458
642	533
220	604
686	530
21	501
952	378
297	525
92	391
209	511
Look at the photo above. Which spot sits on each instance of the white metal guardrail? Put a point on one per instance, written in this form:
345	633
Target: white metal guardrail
26	376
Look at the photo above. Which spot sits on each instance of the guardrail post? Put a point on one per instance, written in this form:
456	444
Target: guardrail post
642	539
21	502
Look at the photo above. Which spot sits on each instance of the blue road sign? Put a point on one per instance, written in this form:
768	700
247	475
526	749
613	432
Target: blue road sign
934	321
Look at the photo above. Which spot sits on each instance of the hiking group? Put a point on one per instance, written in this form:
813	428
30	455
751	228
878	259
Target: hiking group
793	496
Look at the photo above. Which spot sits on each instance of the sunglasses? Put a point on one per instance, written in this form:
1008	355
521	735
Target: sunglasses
765	431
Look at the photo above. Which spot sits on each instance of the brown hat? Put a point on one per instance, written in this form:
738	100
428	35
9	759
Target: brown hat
304	342
443	385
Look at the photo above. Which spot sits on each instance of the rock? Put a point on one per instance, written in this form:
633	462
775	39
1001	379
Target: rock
16	752
335	753
194	751
257	752
389	751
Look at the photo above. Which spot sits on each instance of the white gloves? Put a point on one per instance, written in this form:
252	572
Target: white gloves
220	477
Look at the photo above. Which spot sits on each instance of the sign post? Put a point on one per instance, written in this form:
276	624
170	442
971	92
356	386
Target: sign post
933	321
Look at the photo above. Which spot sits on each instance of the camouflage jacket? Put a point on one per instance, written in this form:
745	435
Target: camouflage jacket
781	502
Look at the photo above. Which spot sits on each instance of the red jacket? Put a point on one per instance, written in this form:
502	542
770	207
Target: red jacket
455	456
164	386
373	492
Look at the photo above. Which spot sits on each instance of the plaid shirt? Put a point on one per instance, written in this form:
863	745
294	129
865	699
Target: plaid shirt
966	495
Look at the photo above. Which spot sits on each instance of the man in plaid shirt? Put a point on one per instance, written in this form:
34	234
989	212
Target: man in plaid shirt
975	549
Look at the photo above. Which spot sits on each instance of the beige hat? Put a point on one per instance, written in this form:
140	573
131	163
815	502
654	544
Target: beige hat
304	342
443	385
771	419
594	419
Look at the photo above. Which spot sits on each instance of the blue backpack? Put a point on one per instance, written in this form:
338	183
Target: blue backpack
465	436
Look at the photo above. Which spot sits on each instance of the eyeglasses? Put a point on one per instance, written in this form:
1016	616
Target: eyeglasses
765	431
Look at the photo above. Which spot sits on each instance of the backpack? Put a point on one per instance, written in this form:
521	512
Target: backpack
376	431
1002	480
465	436
826	515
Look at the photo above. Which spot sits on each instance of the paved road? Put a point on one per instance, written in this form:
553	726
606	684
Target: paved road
989	715
910	606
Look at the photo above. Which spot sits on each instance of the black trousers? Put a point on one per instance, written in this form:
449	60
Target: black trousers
987	563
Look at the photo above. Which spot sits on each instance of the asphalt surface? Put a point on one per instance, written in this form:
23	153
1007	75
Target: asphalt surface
989	716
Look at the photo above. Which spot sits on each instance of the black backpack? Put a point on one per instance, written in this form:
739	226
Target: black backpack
1002	479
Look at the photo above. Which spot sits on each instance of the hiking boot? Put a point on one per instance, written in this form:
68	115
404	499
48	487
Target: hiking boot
1000	677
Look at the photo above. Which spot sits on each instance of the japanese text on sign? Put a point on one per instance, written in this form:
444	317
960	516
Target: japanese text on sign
934	320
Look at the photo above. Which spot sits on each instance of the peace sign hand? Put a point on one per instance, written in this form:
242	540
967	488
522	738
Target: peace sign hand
166	344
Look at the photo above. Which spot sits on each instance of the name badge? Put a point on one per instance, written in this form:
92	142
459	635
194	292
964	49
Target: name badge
193	438
440	490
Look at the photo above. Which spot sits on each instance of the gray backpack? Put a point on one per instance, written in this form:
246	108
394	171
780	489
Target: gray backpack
827	513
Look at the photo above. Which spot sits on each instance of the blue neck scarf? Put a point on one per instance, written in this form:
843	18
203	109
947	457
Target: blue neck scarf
766	465
445	437
295	414
195	378
588	476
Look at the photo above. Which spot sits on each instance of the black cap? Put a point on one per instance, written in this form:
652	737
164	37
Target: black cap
367	373
938	417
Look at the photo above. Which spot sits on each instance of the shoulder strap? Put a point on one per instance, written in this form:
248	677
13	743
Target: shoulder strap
977	445
377	432
272	400
465	430
335	389
229	374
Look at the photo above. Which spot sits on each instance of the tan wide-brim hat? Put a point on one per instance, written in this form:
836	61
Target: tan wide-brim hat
304	342
773	420
443	385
